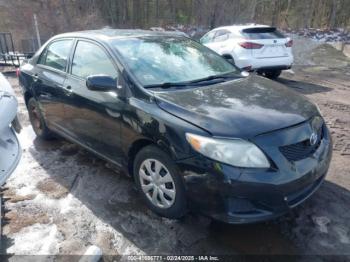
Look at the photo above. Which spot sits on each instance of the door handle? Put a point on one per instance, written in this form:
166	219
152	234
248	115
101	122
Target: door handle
69	90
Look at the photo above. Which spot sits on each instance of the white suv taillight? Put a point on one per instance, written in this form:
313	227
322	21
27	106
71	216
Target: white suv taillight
289	43
249	45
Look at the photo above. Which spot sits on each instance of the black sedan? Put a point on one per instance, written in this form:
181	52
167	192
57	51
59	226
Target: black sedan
194	132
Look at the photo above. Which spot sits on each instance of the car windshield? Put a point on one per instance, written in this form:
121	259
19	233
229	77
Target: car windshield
165	60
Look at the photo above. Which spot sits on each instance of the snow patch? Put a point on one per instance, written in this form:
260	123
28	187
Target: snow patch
66	204
26	137
38	239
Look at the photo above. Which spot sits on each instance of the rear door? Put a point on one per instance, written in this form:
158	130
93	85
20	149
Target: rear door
274	42
93	118
48	79
221	42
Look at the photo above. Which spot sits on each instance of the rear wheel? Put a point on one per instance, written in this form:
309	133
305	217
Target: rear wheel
160	183
37	121
273	74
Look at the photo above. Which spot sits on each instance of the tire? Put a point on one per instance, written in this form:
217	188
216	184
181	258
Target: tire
37	121
273	74
170	200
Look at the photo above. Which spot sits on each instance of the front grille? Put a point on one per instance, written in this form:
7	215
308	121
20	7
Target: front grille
301	150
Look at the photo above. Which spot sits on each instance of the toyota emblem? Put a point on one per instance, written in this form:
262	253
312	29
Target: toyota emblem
313	139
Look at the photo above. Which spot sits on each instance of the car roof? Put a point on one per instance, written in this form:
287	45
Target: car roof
240	27
108	34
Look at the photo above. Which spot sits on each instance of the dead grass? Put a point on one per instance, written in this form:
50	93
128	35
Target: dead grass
105	241
52	189
12	197
15	221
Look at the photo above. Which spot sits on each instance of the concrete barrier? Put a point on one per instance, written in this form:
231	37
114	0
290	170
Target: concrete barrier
346	50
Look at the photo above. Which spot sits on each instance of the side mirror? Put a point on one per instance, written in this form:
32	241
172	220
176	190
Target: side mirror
101	83
229	59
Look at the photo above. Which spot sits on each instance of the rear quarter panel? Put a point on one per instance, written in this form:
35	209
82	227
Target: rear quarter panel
26	80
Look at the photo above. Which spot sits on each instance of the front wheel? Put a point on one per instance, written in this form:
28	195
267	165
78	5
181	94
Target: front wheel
160	183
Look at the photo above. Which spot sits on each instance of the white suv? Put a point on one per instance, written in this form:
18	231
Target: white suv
252	47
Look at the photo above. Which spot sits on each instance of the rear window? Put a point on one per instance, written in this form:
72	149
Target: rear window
262	33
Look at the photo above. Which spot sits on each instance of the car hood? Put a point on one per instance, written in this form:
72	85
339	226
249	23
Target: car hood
243	108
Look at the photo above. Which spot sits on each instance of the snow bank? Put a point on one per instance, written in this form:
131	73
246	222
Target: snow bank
323	35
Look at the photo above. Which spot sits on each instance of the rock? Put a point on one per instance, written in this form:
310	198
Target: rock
92	254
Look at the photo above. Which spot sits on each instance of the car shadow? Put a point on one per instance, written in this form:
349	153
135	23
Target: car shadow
319	226
303	87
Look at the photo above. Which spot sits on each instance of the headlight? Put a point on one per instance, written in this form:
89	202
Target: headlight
235	152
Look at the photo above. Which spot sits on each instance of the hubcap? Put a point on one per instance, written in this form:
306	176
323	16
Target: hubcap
157	183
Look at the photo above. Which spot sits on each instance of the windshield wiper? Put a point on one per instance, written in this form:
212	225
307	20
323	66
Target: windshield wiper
194	82
214	77
167	85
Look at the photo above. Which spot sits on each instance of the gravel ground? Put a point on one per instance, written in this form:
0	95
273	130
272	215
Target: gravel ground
62	200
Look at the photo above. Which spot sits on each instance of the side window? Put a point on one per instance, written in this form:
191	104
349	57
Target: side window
42	57
221	36
208	38
90	59
56	54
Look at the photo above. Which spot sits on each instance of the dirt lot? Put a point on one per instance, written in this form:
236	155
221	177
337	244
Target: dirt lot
61	199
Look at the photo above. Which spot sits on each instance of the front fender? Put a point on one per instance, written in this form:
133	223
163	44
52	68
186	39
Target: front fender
146	121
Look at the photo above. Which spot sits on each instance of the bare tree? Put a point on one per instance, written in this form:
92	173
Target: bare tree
333	13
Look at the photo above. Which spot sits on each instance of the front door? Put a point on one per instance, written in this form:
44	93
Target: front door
93	118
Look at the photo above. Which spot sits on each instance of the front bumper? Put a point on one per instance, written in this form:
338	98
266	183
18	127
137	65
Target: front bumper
10	153
238	196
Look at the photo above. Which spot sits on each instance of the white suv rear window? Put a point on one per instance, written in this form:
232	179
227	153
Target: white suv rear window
262	33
